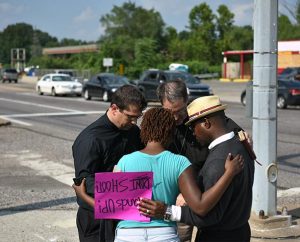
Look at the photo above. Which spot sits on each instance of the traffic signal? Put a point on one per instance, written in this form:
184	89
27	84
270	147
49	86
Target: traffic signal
22	54
14	54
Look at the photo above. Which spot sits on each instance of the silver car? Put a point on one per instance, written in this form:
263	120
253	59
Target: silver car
9	75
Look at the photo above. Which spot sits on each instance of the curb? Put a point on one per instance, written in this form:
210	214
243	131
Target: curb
279	233
275	227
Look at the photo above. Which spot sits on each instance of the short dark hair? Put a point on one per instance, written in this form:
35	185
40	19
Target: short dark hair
172	91
128	95
158	125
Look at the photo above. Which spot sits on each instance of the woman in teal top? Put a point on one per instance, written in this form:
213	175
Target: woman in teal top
173	174
166	168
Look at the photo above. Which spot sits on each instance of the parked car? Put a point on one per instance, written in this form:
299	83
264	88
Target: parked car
290	73
288	94
103	85
151	79
58	84
10	75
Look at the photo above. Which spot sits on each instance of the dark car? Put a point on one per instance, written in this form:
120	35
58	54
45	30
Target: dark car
103	85
151	79
9	75
290	73
288	94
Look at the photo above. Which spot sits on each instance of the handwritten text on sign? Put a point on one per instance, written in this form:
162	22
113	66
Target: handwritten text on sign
117	193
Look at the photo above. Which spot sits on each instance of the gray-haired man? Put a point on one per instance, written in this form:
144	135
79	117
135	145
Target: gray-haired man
173	96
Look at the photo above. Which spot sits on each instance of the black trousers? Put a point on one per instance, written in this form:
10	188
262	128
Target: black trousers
88	227
241	234
91	230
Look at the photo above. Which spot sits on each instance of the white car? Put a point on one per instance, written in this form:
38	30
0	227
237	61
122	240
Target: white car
58	84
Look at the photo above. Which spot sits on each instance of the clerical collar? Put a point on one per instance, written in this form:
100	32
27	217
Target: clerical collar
221	139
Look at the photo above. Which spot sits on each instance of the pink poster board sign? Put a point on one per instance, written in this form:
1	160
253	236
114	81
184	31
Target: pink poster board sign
117	193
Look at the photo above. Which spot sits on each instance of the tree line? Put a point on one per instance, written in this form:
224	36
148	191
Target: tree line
139	39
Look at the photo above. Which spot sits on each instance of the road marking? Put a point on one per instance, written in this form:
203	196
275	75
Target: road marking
66	223
43	167
11	117
38	105
70	112
26	115
16	121
39	236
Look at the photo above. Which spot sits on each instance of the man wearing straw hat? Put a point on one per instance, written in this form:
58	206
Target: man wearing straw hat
228	220
173	96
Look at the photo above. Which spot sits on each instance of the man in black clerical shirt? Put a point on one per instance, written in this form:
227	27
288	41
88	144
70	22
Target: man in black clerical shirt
99	147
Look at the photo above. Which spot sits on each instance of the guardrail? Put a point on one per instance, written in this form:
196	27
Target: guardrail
207	75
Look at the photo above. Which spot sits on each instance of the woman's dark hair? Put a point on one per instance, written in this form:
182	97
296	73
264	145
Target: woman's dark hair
128	95
158	125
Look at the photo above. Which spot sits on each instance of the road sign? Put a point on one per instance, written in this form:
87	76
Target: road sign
107	62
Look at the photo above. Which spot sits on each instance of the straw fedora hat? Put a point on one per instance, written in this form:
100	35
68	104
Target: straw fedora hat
203	106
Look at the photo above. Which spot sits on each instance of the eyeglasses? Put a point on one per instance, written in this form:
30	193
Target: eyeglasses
131	117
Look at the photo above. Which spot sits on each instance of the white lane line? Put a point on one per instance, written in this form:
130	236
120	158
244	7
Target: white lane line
11	117
15	121
36	104
59	172
25	115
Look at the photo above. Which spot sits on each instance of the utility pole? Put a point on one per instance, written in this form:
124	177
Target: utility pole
264	106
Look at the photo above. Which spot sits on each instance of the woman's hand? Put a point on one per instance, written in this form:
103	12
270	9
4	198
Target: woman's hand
80	190
234	165
180	201
151	208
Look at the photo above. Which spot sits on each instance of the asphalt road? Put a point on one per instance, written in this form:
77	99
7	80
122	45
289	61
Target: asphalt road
36	200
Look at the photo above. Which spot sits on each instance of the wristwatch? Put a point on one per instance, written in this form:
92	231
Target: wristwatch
168	214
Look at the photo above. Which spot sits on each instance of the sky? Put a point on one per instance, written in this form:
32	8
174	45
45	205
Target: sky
79	19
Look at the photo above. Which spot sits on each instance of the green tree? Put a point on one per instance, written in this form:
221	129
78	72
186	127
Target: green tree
70	42
128	29
146	53
133	21
203	37
286	30
241	38
224	26
225	21
298	12
15	36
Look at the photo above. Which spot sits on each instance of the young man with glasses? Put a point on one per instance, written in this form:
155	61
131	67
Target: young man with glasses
99	147
173	96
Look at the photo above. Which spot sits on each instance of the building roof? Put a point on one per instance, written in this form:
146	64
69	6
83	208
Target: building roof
290	45
71	49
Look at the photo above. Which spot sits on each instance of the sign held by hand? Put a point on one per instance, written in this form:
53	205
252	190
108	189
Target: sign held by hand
117	194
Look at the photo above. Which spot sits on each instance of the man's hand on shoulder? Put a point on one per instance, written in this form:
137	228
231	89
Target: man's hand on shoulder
150	208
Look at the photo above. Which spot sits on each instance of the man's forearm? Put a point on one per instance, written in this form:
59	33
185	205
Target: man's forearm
189	217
